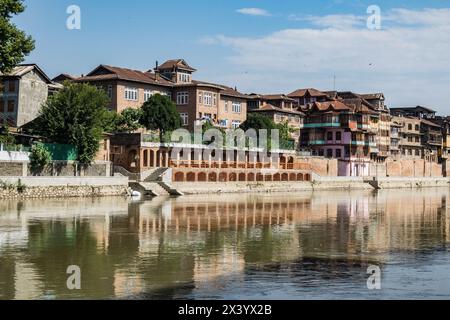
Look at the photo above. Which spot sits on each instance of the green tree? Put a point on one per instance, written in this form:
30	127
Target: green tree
15	44
40	157
258	122
6	137
76	115
128	120
160	113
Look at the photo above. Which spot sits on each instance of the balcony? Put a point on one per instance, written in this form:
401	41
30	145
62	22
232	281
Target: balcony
363	143
322	125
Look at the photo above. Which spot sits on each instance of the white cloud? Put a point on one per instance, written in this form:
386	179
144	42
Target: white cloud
332	21
408	59
254	12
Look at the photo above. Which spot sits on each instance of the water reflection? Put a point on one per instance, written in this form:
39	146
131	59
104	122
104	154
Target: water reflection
299	245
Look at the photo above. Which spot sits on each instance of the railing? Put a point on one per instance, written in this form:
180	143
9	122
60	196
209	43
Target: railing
193	164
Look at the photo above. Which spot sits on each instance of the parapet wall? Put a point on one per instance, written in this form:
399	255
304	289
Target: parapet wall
56	187
412	168
55	169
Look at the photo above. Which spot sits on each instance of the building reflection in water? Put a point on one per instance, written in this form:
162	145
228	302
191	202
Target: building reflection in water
171	247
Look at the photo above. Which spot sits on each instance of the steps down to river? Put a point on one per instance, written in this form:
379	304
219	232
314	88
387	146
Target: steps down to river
152	189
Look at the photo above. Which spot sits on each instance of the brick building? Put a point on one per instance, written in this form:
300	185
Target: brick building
196	101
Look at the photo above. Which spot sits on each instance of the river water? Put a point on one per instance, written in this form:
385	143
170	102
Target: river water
280	246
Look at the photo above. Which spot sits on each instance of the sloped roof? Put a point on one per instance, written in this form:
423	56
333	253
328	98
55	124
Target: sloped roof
334	105
176	63
225	90
268	107
276	97
22	69
304	92
105	72
372	96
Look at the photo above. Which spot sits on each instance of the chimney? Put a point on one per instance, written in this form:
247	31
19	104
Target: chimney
157	71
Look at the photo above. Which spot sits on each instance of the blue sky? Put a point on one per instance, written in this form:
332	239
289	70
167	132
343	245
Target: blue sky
259	46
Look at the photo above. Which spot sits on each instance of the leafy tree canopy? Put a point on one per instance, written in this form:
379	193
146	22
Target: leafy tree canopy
160	113
15	44
128	120
258	122
76	115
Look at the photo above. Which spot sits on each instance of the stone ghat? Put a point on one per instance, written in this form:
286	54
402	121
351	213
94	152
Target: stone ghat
62	187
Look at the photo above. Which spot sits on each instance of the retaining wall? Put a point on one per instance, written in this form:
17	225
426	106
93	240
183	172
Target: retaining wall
55	187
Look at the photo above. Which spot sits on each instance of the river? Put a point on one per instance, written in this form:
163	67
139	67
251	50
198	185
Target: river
252	246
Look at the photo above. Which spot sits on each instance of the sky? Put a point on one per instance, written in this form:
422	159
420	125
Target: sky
258	46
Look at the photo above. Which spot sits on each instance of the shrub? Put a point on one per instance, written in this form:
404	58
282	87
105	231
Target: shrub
40	157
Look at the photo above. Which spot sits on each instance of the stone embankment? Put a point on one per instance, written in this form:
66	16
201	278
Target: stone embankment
59	187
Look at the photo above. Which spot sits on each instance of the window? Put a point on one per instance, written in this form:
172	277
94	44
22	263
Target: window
109	91
214	99
182	98
338	136
184	119
417	127
410	126
338	153
12	86
417	139
329	153
131	94
224	122
148	94
321	153
236	124
11	106
207	98
329	136
184	77
417	152
200	97
226	106
236	107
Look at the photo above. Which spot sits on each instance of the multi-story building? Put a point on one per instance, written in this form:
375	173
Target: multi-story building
444	123
422	135
280	108
196	100
303	97
396	125
379	122
377	100
23	91
334	129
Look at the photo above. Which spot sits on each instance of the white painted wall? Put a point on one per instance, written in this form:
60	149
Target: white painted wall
14	156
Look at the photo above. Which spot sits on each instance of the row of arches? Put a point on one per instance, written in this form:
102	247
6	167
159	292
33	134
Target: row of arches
163	158
182	176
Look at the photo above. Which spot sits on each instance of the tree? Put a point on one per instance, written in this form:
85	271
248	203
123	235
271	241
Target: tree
6	137
160	113
128	120
15	44
258	122
76	115
40	157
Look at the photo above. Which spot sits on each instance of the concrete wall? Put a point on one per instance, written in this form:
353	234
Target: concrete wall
33	92
55	187
57	168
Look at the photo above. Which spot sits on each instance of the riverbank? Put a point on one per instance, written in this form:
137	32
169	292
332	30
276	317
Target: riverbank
329	183
62	187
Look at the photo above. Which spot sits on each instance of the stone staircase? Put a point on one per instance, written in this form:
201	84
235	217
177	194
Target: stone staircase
152	189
